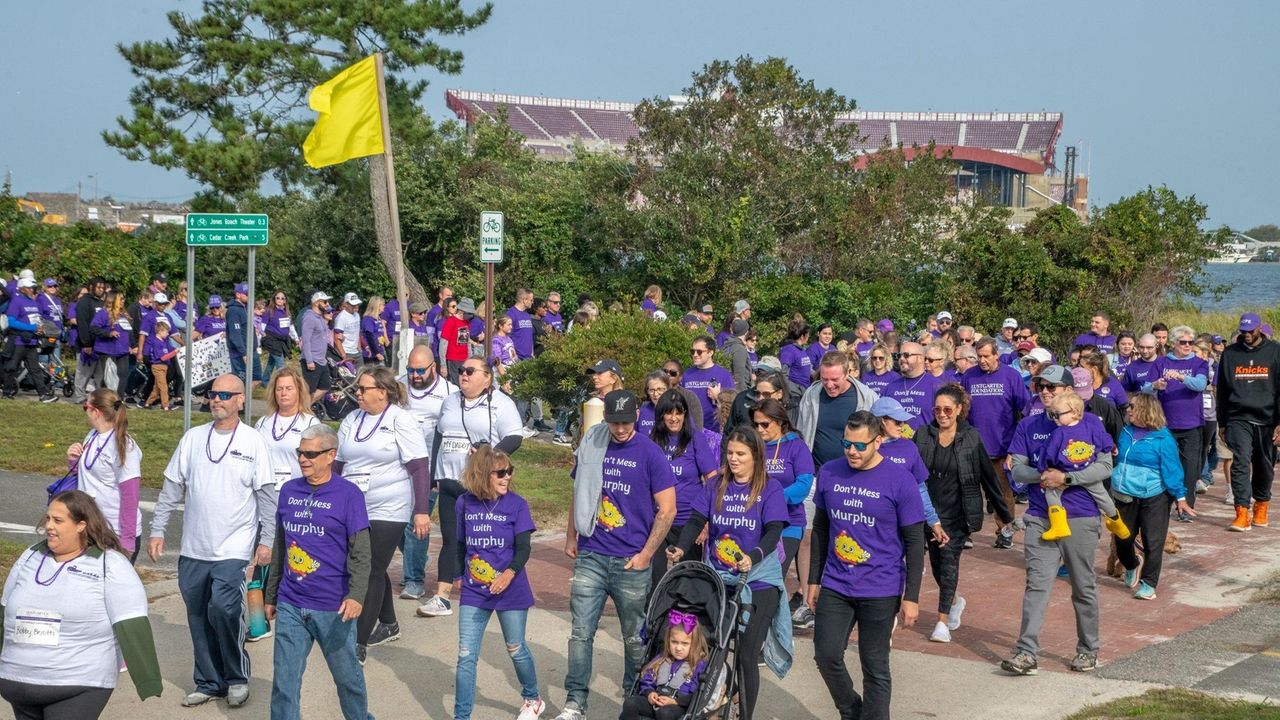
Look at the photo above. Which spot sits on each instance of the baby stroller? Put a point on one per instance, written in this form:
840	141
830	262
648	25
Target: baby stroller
693	587
340	401
56	373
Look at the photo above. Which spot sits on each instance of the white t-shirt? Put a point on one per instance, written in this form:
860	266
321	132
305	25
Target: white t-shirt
61	633
283	451
374	452
490	417
101	474
350	325
219	474
424	405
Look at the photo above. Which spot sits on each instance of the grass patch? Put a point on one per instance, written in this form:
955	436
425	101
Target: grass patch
9	552
1178	704
1222	323
1268	592
38	436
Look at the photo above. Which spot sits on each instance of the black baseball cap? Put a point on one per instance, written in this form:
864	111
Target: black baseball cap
605	365
620	406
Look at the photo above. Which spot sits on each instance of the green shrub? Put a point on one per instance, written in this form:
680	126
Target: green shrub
636	342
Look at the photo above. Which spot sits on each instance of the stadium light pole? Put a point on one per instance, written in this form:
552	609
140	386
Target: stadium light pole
1088	170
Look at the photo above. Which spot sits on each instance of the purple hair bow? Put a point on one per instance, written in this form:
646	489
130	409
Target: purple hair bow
687	621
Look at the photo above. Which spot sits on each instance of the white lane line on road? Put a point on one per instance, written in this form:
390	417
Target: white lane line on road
17	528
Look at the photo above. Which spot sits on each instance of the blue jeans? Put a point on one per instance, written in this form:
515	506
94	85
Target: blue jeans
274	363
471	624
596	577
237	368
296	630
416	552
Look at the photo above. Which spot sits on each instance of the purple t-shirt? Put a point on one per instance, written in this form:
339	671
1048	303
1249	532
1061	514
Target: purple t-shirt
634	472
1139	372
27	310
554	321
696	380
688	469
798	364
997	398
649	306
785	460
521	332
1071	449
317	522
154	349
879	382
645	419
435	316
51	309
915	396
277	322
815	351
1104	343
1113	391
113	347
864	348
1183	407
504	351
866	509
723	337
733	528
488	529
209	325
475	326
391	316
371	332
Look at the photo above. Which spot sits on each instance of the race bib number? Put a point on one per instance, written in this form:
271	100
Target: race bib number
33	318
282	477
1207	400
124	324
285	322
37	627
454	444
361	480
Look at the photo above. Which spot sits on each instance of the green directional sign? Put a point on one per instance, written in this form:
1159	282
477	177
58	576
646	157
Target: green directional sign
226	229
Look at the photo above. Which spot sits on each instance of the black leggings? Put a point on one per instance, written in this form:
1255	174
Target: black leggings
751	642
659	562
944	563
448	493
637	707
384	538
790	546
54	702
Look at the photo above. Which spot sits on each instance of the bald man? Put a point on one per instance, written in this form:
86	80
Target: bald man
222	472
915	389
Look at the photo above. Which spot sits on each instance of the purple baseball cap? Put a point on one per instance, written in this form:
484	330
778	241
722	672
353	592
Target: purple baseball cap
885	325
1250	322
215	301
1266	329
242	288
50	282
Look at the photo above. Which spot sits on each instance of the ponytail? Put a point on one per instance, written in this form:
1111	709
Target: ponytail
107	402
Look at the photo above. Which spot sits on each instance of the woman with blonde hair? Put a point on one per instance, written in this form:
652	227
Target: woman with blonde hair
110	329
288	414
652	300
494	531
373	332
108	465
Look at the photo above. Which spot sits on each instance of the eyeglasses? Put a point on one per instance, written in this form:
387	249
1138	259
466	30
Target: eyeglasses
762	425
697	352
672	373
859	446
223	395
940	410
1186	342
932	360
505	472
468	371
312	454
366	388
553	302
421	370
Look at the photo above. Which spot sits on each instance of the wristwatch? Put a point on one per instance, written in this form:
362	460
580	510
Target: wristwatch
1066	479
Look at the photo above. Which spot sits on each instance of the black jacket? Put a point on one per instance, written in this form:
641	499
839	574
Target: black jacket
85	309
1249	384
1109	414
963	504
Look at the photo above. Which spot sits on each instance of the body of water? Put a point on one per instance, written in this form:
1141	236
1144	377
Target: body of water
1252	285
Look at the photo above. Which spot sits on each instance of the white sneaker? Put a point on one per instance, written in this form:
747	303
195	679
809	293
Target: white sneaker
1229	499
531	709
570	712
940	633
528	432
953	618
435	607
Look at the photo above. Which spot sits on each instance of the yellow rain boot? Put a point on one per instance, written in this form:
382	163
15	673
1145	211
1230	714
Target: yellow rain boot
1116	526
1058	528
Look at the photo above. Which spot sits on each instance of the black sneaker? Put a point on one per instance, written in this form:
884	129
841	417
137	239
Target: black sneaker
10	396
50	398
362	653
795	602
383	634
1003	541
1022	663
1185	518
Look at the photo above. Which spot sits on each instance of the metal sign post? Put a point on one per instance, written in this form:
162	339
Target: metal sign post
492	224
223	230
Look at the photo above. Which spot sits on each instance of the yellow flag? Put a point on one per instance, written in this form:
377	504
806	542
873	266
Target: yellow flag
350	122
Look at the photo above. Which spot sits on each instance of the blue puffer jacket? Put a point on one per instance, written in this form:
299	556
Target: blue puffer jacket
1148	466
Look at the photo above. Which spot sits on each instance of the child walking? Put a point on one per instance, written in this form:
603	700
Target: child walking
156	353
1073	446
669	681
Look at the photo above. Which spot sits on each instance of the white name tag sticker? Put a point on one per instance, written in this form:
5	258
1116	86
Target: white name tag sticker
33	318
37	627
124	323
285	322
361	480
1207	399
455	445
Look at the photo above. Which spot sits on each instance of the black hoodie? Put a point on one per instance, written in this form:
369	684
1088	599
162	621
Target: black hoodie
1249	384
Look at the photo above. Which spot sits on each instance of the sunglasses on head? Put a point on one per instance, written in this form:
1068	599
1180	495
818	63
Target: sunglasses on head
505	472
311	454
223	395
859	446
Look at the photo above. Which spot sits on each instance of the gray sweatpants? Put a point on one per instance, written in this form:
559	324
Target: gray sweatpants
1043	558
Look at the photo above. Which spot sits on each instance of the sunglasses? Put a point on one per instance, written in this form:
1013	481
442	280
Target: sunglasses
859	446
762	425
505	472
312	454
932	360
366	388
696	352
672	373
468	371
1186	342
1055	415
910	355
939	410
223	395
1023	337
419	371
877	358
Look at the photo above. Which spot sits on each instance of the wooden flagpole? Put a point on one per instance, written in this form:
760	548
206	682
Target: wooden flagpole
393	203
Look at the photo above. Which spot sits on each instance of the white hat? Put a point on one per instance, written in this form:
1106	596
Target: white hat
1039	354
161	298
1010	323
659	315
27	273
26	282
319	295
351	299
944	315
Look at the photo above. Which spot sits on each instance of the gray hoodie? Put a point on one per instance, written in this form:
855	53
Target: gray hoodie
739	362
807	412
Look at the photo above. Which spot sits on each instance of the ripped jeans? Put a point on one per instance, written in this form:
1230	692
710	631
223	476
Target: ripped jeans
471	624
597	577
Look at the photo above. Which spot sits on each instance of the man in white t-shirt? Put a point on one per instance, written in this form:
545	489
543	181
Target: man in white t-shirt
349	320
426	389
223	472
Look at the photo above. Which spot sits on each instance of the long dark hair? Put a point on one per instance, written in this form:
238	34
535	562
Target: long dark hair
796	329
81	507
672	401
775	411
749	437
272	304
113	411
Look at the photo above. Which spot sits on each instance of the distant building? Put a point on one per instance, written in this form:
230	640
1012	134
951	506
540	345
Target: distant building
68	208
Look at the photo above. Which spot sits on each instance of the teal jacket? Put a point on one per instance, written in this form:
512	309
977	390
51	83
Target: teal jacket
1148	466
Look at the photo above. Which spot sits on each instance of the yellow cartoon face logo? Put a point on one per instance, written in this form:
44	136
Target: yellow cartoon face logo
1078	451
300	563
907	432
848	550
610	517
727	551
481	571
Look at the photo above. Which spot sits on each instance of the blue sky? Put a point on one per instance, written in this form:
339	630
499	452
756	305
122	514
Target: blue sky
1179	93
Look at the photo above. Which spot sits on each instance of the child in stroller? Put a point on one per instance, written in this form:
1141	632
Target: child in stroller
341	398
669	682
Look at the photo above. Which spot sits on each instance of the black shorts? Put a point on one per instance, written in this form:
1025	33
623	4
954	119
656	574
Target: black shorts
317	379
